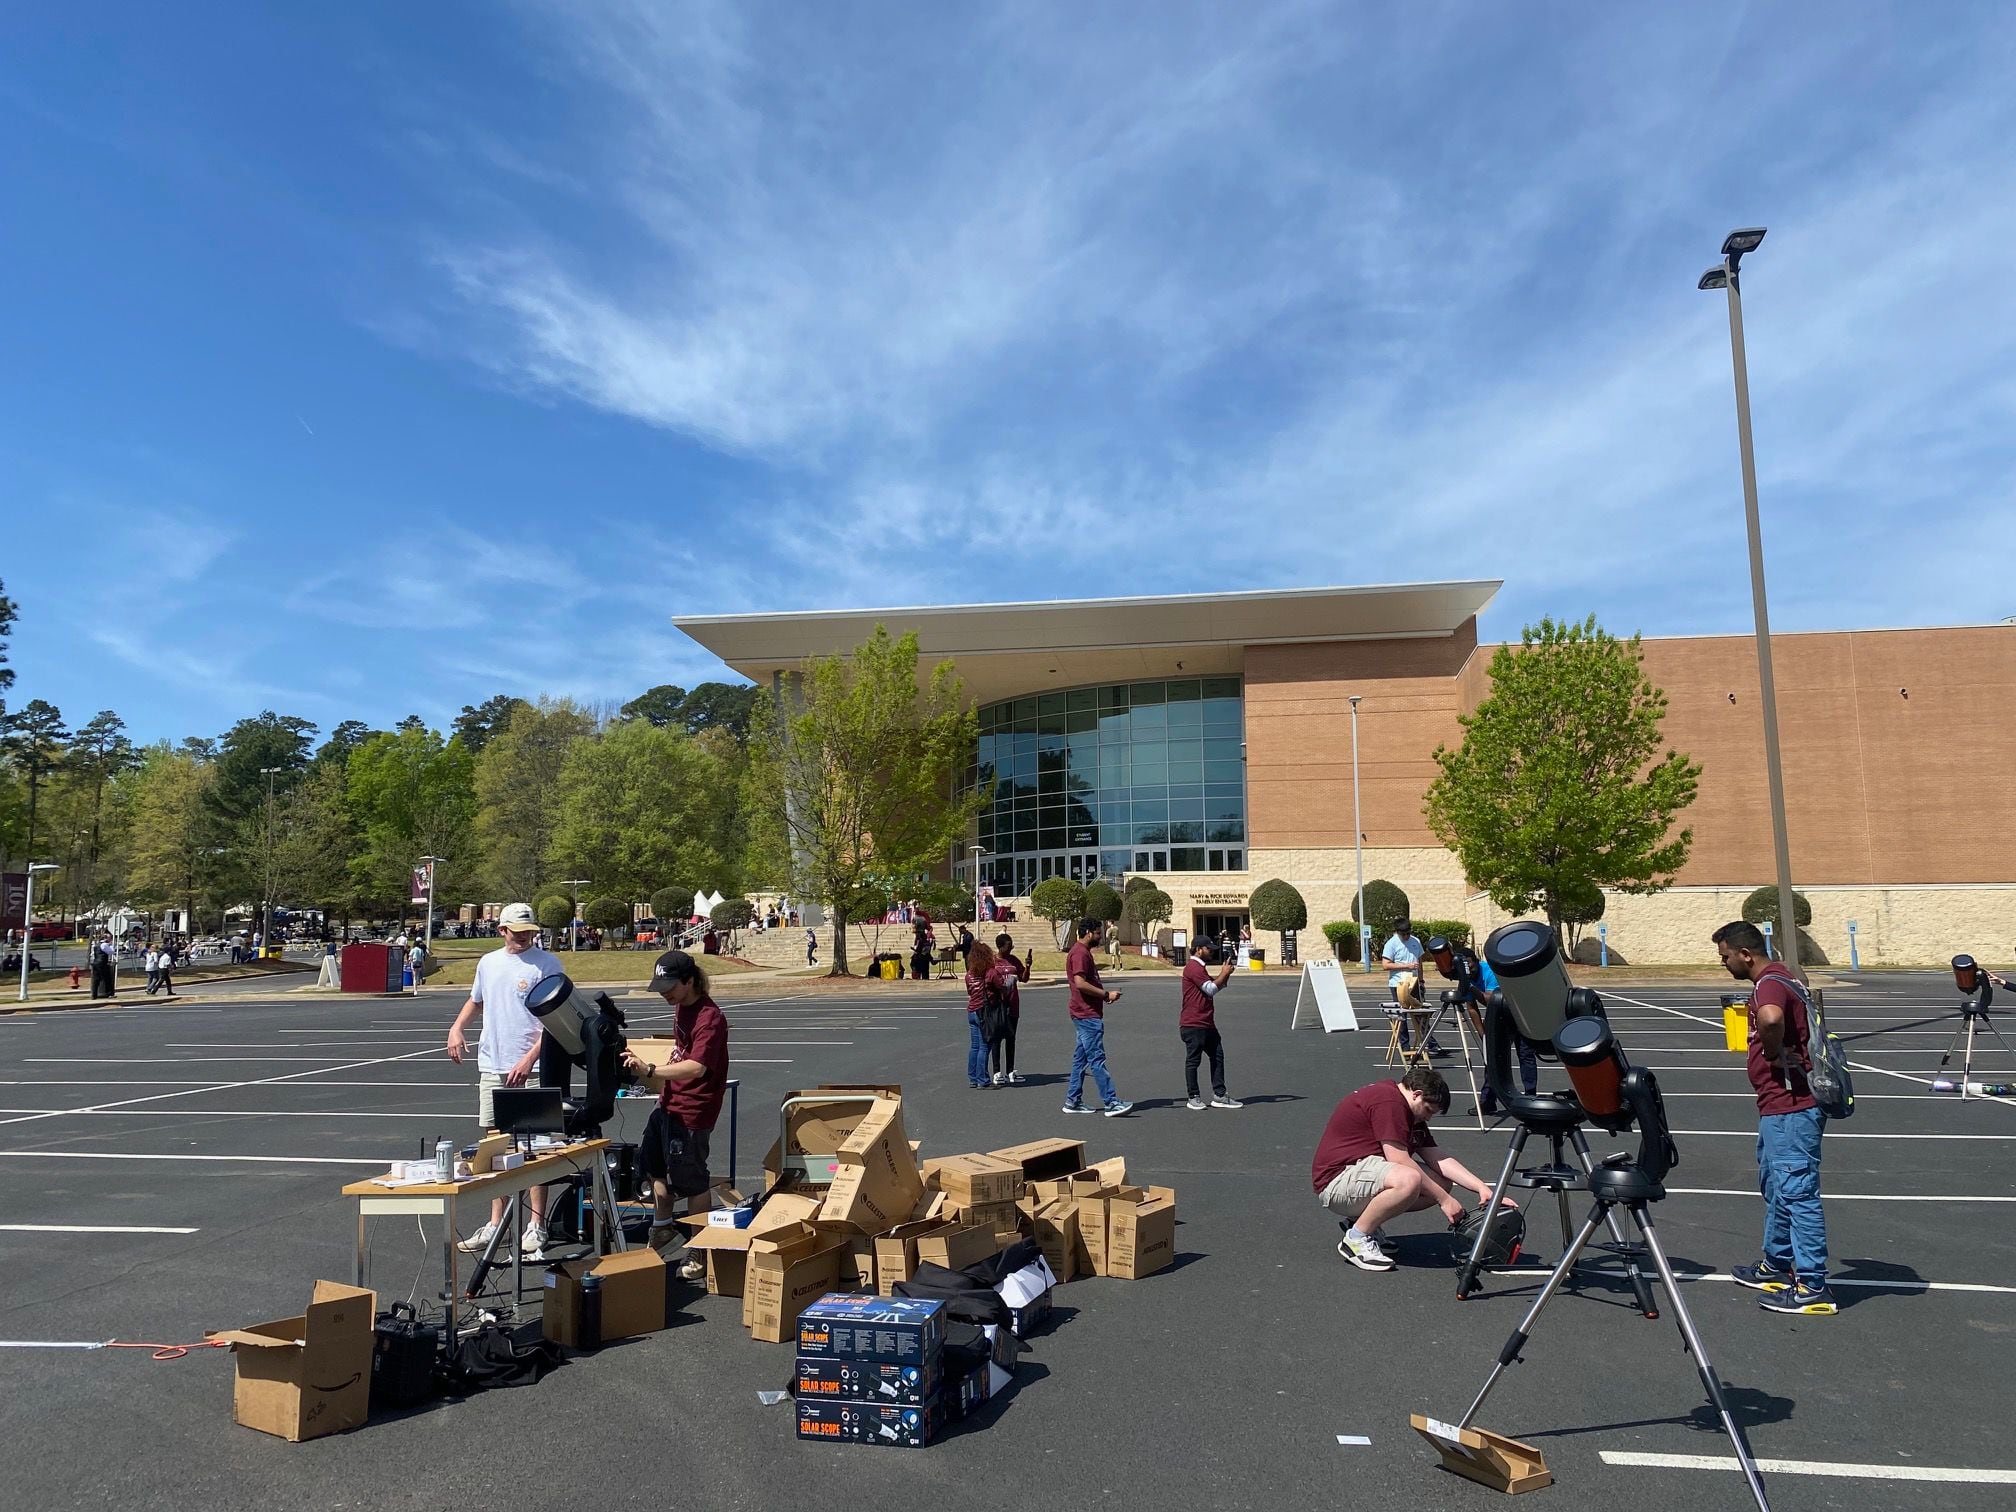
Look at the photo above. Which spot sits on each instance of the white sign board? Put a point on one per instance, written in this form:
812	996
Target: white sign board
1324	987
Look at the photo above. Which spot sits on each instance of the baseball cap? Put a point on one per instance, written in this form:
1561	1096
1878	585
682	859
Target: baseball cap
518	918
671	967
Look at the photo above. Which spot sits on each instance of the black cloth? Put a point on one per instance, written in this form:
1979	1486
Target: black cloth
1001	1050
101	976
675	1154
1197	1043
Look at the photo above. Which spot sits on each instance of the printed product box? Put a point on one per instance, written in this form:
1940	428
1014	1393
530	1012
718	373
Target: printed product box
633	1296
976	1180
896	1252
863	1381
788	1271
957	1248
877	1330
867	1423
1055	1229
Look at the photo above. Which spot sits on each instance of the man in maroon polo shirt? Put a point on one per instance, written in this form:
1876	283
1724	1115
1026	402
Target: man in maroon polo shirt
1793	1276
1089	997
1198	1024
691	1085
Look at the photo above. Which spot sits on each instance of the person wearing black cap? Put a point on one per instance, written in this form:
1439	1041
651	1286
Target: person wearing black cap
690	1085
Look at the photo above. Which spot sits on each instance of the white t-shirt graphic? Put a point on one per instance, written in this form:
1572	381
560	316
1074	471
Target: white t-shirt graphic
509	1029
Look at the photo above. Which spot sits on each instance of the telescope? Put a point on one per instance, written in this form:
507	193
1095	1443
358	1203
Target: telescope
1977	991
583	1031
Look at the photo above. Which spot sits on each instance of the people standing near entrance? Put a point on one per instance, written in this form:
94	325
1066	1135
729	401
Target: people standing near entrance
1198	1023
1793	1276
1003	1063
690	1088
508	1048
1089	998
1402	955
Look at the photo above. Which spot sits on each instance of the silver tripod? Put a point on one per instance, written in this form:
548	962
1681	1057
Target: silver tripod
1971	1015
1642	1216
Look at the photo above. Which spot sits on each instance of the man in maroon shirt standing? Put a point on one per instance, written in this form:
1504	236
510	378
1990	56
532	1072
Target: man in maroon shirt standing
1377	1160
1199	1025
673	1152
1793	1276
1089	997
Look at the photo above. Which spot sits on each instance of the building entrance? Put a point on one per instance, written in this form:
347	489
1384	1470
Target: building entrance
1218	924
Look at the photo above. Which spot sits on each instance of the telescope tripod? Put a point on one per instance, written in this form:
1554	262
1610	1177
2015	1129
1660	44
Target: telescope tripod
1972	1015
1557	1176
1639	1207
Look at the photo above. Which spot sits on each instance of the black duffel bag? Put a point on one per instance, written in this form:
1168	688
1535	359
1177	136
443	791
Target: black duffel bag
495	1356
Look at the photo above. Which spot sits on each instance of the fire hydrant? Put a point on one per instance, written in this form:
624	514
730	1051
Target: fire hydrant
76	977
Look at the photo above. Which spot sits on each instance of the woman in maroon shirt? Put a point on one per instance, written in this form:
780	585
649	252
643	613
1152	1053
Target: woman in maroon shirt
691	1085
980	974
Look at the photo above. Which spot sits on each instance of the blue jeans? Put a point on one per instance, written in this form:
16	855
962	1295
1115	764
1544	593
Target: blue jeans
1089	1054
976	1057
1788	1174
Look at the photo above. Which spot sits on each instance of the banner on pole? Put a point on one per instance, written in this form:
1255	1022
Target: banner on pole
423	879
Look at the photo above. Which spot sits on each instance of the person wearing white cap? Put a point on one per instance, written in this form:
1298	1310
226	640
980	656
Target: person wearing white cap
507	1052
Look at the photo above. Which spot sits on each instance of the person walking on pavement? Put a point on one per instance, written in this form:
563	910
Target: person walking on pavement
1198	1023
1005	1074
1089	999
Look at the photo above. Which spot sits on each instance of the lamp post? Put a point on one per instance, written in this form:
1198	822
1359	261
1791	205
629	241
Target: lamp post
1358	842
1724	276
427	926
574	924
266	902
28	920
978	852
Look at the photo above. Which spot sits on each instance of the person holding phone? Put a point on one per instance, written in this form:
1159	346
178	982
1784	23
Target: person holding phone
1089	999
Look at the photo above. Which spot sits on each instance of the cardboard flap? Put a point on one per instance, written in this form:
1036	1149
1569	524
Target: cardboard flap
706	1236
783	1210
288	1333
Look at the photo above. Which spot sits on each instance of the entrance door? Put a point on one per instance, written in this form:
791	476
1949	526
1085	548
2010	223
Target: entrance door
1218	924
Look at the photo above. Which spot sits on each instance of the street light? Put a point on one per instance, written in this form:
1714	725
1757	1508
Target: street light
1358	840
1725	276
266	904
427	928
28	920
574	924
978	852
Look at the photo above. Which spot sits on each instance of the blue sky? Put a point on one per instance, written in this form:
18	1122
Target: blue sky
376	358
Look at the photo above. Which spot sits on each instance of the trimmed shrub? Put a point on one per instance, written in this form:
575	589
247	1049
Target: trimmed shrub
1277	906
1763	904
1138	883
733	913
1102	903
1148	907
1343	937
1455	931
1384	902
1057	899
554	912
606	913
672	905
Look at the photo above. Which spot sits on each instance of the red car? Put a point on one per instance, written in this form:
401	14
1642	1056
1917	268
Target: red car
50	930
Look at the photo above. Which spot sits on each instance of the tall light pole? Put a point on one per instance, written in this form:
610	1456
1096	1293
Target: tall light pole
28	921
1358	841
978	852
266	903
427	928
574	924
1724	276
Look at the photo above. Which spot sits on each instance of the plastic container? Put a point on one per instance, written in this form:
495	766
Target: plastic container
591	1311
1736	1023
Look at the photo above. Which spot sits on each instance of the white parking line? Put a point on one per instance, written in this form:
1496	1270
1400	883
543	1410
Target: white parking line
232	1113
1838	1468
1909	1286
222	1087
89	1228
349	1160
1832	1134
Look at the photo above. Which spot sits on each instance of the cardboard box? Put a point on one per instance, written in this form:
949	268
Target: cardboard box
896	1252
787	1273
1140	1232
633	1296
862	1381
488	1148
1045	1159
876	1183
816	1130
976	1180
868	1423
957	1248
876	1330
300	1378
857	1259
1055	1229
726	1250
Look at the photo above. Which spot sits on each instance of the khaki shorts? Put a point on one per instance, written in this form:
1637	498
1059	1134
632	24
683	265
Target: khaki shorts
1355	1186
487	1082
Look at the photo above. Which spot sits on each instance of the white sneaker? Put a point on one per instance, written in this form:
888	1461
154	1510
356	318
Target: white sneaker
1000	1078
532	1243
475	1243
1226	1102
1196	1105
1014	1078
1365	1254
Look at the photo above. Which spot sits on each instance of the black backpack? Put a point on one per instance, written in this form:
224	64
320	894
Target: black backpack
1827	1075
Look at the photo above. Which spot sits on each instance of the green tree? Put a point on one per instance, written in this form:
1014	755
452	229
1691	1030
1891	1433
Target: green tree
1147	908
1582	904
99	752
1559	782
1762	907
239	789
344	739
1385	905
719	706
656	706
555	912
315	835
1102	903
172	833
34	739
1058	900
672	906
479	724
732	914
1278	907
638	803
517	793
411	794
9	611
606	913
853	774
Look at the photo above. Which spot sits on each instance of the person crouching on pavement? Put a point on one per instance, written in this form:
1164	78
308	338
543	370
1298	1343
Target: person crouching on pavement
691	1085
1377	1160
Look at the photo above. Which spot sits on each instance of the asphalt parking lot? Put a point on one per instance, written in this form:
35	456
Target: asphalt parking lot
168	1169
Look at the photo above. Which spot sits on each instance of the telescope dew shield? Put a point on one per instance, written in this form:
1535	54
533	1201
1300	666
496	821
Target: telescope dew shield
1595	1065
1444	957
1966	975
1531	976
560	1010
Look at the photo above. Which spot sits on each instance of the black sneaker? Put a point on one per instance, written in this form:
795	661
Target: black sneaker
1816	1300
1764	1278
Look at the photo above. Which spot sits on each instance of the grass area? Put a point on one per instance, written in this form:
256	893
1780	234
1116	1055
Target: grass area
56	984
590	968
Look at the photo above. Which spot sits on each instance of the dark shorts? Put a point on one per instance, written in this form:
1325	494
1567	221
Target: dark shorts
674	1154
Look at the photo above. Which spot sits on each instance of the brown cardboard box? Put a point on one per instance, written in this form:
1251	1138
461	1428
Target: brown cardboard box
957	1248
896	1252
726	1250
487	1148
633	1296
857	1259
976	1180
875	1181
1056	1232
788	1271
1140	1232
820	1129
1101	1176
1004	1218
303	1377
1045	1159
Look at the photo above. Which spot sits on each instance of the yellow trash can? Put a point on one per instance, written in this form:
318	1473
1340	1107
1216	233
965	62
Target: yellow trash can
1736	1022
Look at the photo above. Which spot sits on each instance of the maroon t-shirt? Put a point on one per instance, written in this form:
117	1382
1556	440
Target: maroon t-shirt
1079	963
702	1035
1780	1085
1020	968
1199	1006
1364	1124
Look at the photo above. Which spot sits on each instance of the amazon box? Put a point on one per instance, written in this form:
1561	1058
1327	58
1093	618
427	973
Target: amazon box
1045	1159
633	1296
1140	1232
876	1183
301	1378
976	1180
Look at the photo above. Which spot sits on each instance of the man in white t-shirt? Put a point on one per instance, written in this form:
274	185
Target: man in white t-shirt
507	1053
1402	955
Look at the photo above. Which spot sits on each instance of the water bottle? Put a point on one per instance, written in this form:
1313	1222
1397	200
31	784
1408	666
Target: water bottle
591	1311
444	1160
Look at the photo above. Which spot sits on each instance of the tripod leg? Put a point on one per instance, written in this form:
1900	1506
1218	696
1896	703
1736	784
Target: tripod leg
1744	1459
1517	1342
1466	1279
1640	1287
1967	1062
1470	1068
1954	1043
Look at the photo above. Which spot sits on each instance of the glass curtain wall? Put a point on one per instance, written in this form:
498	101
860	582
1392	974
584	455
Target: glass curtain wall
1095	782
